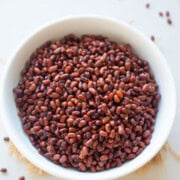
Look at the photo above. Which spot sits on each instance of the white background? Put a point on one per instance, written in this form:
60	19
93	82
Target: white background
18	18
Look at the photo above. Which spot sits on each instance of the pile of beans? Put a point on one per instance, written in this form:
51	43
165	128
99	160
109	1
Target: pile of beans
87	103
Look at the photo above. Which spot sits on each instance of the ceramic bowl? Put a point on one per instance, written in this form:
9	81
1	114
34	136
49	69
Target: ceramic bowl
118	31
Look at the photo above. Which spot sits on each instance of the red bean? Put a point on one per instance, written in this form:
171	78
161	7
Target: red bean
93	91
119	94
22	178
128	65
87	103
32	87
52	68
146	133
6	139
104	158
3	170
68	69
44	108
160	14
135	149
103	133
82	123
169	21
104	107
147	5
46	81
53	104
37	71
121	130
57	51
131	156
83	152
105	119
116	98
54	95
56	157
108	128
100	61
63	159
167	13
152	38
89	142
82	167
101	81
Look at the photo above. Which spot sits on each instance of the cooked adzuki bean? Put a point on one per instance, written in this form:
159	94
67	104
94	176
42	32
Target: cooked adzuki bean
87	103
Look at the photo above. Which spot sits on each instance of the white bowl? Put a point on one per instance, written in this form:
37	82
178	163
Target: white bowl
117	31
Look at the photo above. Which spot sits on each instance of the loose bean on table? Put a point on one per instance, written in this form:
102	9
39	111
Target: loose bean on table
6	139
3	170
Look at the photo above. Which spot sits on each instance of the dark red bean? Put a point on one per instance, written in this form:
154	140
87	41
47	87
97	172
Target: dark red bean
68	69
6	139
37	71
63	159
169	21
128	65
121	130
52	68
89	142
116	98
103	133
32	87
100	61
104	107
104	158
161	14
93	91
167	13
108	128
22	178
54	95
87	103
135	149
57	51
119	94
147	5
82	123
131	156
83	153
146	133
152	38
53	104
46	81
56	157
105	119
82	167
3	170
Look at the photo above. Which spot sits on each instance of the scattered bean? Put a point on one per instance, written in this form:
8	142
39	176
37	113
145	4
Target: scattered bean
3	170
6	139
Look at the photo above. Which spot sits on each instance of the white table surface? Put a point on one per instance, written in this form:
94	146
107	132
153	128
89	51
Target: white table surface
19	17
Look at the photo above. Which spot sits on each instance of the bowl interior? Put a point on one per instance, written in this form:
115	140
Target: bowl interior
118	32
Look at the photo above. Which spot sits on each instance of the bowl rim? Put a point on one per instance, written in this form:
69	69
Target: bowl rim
27	153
